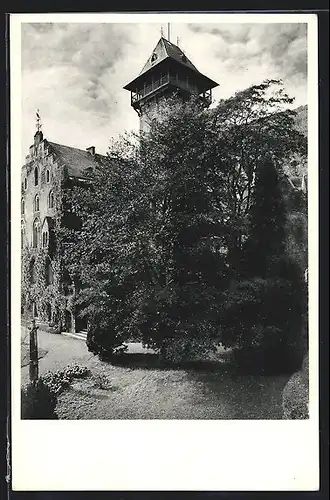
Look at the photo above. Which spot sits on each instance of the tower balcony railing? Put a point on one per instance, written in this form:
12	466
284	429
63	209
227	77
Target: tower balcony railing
168	79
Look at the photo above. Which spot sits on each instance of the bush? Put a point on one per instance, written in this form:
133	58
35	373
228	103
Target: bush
38	402
60	380
295	400
263	320
180	350
102	340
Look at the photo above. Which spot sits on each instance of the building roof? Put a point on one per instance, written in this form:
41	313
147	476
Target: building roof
163	50
166	50
76	160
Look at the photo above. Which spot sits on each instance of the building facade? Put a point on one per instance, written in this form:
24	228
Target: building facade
49	170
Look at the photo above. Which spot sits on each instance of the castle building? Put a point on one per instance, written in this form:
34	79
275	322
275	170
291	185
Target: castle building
51	169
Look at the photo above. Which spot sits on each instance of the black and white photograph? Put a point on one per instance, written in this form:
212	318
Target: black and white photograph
163	188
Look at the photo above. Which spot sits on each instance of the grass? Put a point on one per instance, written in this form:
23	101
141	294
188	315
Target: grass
139	388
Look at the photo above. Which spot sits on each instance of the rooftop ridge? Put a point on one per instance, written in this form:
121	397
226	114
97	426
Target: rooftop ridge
72	147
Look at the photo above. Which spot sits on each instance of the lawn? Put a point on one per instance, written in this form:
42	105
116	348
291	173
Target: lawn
140	389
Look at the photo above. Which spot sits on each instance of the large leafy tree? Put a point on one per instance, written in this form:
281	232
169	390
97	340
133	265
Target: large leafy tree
249	127
164	220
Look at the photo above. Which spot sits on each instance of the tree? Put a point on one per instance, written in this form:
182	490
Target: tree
249	127
266	232
165	218
264	309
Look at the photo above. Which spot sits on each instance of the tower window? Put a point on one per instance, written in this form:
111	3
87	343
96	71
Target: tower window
36	234
47	175
36	203
25	183
153	57
22	206
36	176
51	200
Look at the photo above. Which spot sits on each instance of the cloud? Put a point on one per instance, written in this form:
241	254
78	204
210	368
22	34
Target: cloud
75	73
279	49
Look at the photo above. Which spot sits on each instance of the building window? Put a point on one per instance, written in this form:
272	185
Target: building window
49	273
22	206
25	183
47	175
32	272
35	310
49	312
36	234
22	236
36	203
36	176
45	239
51	200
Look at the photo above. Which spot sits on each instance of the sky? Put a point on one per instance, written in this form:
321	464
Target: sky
74	73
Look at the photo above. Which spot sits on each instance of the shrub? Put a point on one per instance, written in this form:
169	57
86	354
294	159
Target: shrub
262	319
182	349
103	340
295	399
101	381
60	380
38	402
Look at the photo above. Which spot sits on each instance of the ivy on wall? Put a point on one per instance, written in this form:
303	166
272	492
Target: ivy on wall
36	288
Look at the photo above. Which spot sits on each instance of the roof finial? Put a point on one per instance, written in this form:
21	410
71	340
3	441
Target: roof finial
161	31
169	32
177	41
38	124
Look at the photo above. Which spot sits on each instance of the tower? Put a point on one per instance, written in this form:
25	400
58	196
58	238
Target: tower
168	71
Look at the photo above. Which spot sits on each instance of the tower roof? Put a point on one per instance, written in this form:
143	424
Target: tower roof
163	50
166	50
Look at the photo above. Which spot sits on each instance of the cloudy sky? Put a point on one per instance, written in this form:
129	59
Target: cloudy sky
75	73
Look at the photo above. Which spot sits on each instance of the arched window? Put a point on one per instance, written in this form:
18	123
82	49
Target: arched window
36	234
47	176
51	200
36	203
45	239
22	206
36	176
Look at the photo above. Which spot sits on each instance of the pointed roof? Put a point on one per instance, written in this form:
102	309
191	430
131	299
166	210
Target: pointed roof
163	50
166	50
